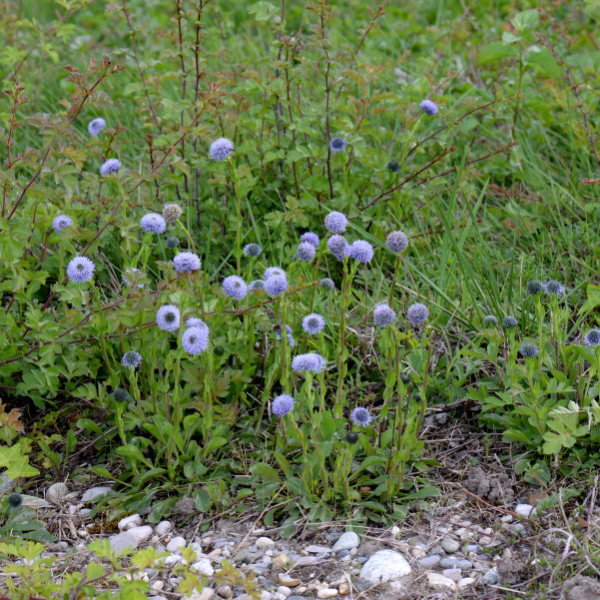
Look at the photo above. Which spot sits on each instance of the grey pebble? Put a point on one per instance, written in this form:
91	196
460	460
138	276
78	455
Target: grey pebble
331	537
491	577
429	561
517	528
473	548
455	563
362	559
454	574
450	546
343	553
437	550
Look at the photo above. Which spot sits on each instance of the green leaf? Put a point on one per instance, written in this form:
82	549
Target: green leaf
428	491
264	11
495	51
546	63
15	463
593	299
264	470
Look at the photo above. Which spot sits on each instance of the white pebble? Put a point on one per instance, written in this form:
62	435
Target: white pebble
163	528
130	522
176	544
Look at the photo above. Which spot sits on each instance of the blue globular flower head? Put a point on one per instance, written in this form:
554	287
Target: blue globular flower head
80	269
338	144
121	395
535	287
195	340
252	250
15	500
220	149
153	222
336	222
171	212
397	242
282	405
509	322
306	252
553	287
96	126
313	324
130	271
490	321
235	287
131	359
308	362
361	251
112	165
167	318
259	284
274	271
360	416
172	242
186	262
310	238
327	283
417	313
288	333
276	285
429	107
592	338
528	349
196	323
393	166
60	222
338	246
383	315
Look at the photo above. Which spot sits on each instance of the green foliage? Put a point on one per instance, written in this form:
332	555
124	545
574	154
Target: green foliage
488	193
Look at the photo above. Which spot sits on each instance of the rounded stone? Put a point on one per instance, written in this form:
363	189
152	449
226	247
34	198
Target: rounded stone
163	528
176	543
385	565
450	546
57	493
94	492
454	574
123	542
455	563
347	541
129	522
429	561
141	533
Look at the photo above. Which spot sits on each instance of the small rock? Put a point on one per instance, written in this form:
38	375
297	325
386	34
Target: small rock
141	533
344	588
455	563
395	531
347	541
473	548
327	593
488	531
129	522
524	510
466	582
318	549
224	591
418	552
437	550
454	574
429	561
507	519
439	581
34	502
56	493
517	528
284	591
203	567
157	586
450	546
491	577
485	540
385	565
207	594
123	542
294	598
84	513
288	581
94	492
263	543
176	543
163	528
